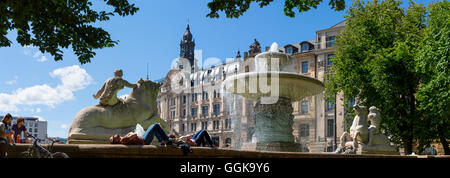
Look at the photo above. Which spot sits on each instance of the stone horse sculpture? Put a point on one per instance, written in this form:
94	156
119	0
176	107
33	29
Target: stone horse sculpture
95	124
364	139
358	130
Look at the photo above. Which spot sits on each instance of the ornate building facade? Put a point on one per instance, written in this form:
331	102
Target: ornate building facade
191	98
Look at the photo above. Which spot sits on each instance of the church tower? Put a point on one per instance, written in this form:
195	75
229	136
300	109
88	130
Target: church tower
187	47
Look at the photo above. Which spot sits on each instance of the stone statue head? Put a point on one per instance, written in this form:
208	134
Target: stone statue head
359	109
374	109
118	73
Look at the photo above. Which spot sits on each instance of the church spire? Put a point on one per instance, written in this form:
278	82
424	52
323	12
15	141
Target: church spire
187	46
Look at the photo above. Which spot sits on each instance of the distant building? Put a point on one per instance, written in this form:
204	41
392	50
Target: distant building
192	102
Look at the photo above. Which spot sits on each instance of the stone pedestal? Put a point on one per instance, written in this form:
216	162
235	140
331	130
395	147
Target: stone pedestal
273	126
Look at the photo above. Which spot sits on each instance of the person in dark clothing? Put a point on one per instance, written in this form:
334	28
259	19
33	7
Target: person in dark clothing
157	131
5	134
18	129
201	138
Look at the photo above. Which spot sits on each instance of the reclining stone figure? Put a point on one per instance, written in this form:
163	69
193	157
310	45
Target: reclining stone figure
95	124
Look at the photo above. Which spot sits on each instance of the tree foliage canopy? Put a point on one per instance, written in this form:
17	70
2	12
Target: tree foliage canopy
236	8
55	24
433	65
374	62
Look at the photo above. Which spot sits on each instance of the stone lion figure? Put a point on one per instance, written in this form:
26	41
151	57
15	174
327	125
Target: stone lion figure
97	123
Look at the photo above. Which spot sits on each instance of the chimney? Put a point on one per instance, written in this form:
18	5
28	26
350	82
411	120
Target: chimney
245	55
267	48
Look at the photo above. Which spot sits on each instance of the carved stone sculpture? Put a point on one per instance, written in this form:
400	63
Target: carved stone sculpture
108	92
255	48
95	124
363	139
358	130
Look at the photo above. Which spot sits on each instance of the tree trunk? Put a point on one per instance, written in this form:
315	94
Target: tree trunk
407	144
443	141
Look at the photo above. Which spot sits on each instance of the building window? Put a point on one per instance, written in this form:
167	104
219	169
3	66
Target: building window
330	127
305	107
329	59
227	123
184	113
182	127
227	142
216	109
194	97
215	94
205	125
305	47
305	67
247	69
184	99
330	105
205	111
194	112
193	127
216	125
30	130
330	42
205	95
289	50
172	114
304	130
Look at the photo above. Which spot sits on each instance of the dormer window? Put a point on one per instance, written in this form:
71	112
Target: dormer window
289	50
305	47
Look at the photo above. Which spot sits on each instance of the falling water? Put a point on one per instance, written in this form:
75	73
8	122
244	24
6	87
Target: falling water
273	47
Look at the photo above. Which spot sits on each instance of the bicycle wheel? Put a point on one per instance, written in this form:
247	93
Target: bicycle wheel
60	155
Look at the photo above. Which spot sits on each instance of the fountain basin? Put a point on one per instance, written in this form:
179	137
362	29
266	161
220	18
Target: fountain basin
255	85
273	92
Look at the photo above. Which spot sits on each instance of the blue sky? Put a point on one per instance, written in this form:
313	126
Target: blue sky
32	84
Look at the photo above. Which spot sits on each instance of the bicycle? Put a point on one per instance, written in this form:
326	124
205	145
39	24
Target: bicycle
38	151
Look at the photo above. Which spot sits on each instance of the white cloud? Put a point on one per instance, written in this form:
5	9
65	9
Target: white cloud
38	110
73	78
63	126
42	59
12	82
37	55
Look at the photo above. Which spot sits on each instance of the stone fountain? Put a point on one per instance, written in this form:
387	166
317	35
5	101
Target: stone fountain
274	86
